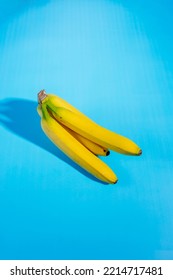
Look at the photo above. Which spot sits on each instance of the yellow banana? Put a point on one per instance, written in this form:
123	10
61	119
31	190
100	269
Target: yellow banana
115	141
94	132
73	148
93	147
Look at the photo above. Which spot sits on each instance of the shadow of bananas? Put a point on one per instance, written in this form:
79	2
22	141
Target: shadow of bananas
20	117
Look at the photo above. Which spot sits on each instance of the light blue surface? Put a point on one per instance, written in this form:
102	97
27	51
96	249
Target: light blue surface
113	61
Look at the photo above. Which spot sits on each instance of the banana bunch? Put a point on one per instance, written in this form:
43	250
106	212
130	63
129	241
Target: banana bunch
80	138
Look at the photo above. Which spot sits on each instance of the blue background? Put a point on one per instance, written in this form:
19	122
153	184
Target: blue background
113	61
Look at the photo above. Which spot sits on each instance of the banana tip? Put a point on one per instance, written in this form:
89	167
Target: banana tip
115	181
107	153
140	152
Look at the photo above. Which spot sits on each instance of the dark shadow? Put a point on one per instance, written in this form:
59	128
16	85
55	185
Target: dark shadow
20	117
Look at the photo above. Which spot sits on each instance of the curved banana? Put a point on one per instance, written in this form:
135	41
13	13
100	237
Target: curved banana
74	149
93	147
94	132
115	141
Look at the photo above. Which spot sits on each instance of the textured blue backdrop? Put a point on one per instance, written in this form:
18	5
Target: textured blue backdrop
112	60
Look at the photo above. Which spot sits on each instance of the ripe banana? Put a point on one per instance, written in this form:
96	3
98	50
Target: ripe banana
94	132
93	147
73	148
80	138
116	142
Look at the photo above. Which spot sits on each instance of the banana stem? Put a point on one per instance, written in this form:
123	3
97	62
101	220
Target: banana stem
41	96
